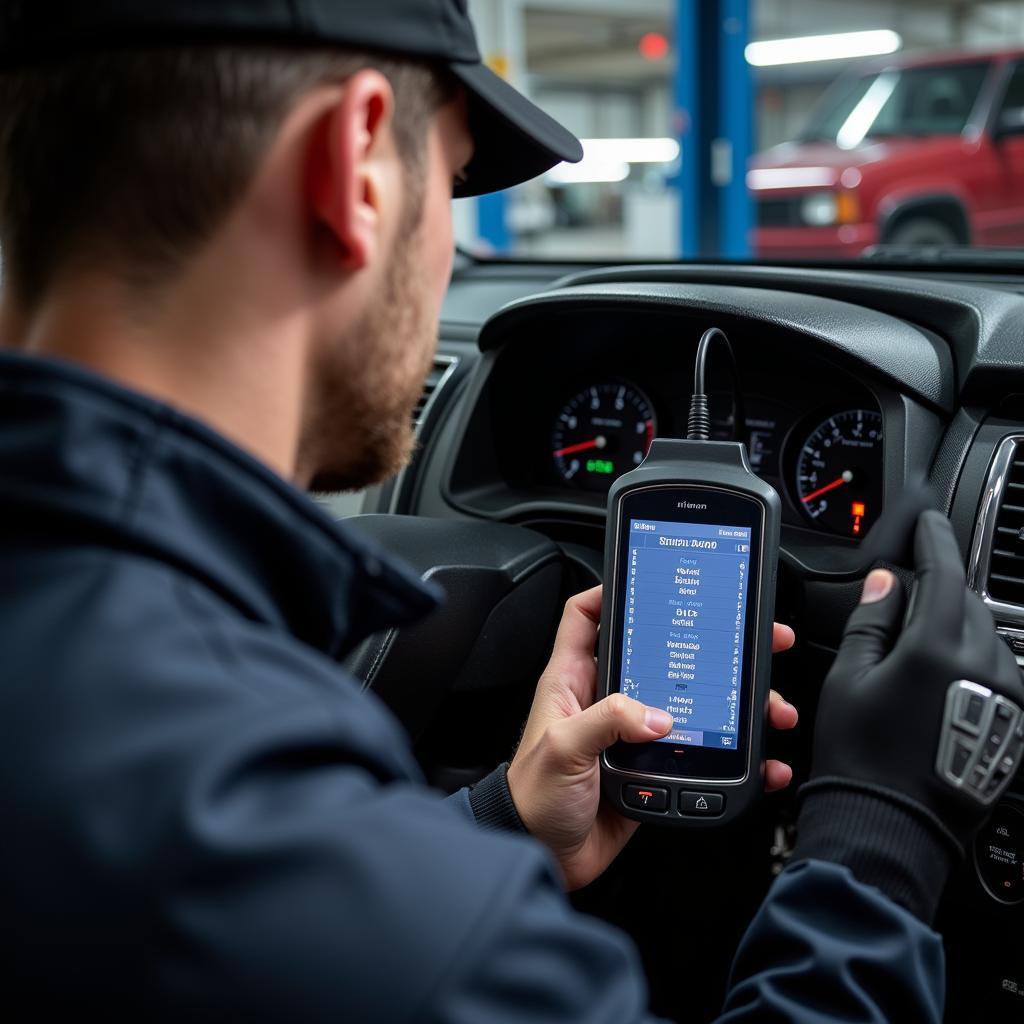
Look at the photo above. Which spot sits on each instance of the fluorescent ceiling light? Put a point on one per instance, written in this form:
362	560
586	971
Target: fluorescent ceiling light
608	160
588	171
838	46
633	151
791	177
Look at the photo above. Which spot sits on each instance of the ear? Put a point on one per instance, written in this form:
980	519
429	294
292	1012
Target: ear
353	169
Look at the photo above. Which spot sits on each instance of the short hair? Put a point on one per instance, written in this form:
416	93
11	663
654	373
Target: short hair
132	160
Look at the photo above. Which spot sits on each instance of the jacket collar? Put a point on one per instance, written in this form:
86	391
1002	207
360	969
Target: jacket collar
84	459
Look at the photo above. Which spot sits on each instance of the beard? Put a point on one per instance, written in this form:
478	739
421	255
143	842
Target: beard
359	425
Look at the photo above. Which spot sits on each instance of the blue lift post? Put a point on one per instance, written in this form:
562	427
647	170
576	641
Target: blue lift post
714	100
492	226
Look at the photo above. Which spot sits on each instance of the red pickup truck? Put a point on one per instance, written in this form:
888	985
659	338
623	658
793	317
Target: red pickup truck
915	152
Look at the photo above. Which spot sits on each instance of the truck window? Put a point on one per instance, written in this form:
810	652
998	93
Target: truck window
911	101
1011	111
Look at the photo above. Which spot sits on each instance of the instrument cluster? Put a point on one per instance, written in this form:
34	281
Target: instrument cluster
826	461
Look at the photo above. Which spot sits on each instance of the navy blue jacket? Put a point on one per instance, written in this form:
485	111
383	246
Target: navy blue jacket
204	818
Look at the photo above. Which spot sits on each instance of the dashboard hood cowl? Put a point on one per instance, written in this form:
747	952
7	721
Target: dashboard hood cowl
907	357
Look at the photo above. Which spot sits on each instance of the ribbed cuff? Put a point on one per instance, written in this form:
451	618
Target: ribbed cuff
492	803
884	838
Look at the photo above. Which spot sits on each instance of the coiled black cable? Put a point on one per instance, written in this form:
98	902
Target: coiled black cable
698	427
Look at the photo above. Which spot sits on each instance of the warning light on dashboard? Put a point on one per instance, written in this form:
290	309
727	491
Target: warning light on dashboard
857	510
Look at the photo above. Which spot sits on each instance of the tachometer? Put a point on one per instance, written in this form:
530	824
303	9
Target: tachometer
601	433
839	472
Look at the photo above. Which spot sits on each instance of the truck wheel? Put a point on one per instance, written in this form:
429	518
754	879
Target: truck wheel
922	231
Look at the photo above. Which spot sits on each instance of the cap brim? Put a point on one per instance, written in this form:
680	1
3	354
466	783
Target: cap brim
514	140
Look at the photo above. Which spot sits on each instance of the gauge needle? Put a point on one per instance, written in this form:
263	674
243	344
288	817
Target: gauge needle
844	479
598	442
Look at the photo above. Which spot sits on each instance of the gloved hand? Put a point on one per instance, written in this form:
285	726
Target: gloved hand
880	725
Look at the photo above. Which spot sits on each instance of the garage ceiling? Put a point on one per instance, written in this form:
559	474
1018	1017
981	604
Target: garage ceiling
572	42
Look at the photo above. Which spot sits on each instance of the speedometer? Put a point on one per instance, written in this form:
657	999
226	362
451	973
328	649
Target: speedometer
839	472
600	433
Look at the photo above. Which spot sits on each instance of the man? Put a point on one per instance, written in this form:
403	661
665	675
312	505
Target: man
227	235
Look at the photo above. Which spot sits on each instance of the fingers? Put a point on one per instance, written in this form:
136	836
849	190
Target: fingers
941	583
783	638
874	626
590	602
776	776
578	628
781	714
572	664
577	740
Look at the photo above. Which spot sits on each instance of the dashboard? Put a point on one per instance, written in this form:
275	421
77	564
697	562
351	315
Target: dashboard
573	385
822	451
852	385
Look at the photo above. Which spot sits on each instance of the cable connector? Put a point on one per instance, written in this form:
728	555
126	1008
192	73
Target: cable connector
698	425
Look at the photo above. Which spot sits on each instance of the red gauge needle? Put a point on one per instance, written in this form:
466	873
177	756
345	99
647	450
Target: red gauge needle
598	442
844	479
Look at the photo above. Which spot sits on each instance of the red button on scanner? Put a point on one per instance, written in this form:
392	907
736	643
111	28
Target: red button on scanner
645	798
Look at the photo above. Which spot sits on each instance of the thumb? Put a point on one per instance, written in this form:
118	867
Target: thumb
582	737
874	626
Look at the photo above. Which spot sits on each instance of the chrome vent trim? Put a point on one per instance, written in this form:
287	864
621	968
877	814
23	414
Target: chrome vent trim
995	569
437	380
440	374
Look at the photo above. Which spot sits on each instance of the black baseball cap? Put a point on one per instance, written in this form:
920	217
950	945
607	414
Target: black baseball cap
514	139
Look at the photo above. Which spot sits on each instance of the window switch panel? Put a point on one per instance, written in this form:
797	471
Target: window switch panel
980	748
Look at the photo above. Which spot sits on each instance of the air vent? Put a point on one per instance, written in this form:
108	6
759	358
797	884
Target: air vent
996	568
1006	564
442	369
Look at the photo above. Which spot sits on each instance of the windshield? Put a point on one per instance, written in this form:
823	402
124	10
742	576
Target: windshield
801	131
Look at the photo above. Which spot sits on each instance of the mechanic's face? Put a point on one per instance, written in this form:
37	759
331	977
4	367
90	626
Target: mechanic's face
384	359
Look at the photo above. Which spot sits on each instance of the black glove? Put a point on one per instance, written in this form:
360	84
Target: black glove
879	799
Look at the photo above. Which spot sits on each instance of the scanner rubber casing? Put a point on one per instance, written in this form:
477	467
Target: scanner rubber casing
715	465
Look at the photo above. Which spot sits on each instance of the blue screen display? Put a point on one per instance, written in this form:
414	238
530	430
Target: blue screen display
683	624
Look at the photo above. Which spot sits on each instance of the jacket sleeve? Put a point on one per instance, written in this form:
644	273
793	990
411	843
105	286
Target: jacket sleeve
392	908
489	803
299	881
827	949
823	948
302	886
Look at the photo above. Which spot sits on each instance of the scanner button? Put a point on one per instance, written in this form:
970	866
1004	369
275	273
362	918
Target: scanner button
645	798
704	805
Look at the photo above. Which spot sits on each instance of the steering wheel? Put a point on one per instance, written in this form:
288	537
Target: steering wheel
461	681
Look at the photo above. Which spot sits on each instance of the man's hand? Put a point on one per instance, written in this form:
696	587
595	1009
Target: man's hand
554	777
